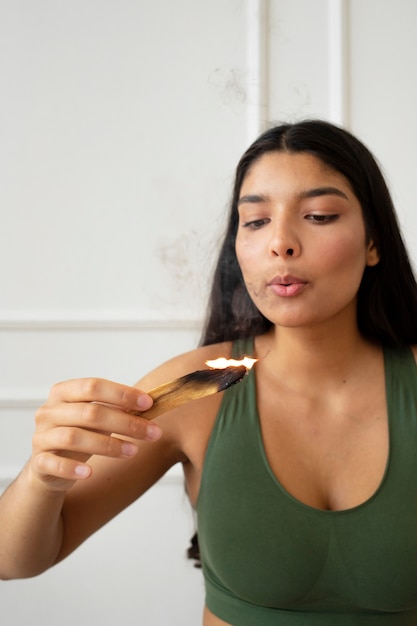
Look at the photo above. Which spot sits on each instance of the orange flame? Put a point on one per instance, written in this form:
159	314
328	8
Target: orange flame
222	363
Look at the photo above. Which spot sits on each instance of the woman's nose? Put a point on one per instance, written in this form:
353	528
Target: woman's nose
284	242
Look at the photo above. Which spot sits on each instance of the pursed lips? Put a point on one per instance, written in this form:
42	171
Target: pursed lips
287	285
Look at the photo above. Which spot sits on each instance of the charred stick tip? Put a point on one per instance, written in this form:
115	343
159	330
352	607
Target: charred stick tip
192	386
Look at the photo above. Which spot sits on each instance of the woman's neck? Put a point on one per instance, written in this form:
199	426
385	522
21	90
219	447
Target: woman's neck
309	358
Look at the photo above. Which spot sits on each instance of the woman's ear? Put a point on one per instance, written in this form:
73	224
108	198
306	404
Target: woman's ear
373	257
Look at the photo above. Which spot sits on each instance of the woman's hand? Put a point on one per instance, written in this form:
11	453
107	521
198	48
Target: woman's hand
82	418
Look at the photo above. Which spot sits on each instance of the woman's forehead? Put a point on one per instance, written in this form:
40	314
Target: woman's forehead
300	169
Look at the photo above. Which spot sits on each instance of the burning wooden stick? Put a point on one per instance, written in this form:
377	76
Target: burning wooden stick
223	373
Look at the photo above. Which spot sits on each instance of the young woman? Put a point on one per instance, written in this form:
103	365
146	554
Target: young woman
304	475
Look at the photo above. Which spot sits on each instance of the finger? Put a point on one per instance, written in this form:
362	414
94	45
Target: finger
100	390
79	441
51	466
95	417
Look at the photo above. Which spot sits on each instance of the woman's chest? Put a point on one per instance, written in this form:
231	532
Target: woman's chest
329	455
261	542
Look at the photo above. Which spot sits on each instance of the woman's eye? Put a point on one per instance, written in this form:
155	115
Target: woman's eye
322	218
255	224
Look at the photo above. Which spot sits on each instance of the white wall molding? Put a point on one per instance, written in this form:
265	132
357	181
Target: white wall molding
94	320
25	399
257	73
339	83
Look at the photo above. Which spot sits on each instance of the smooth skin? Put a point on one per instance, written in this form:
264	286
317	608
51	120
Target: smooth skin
302	248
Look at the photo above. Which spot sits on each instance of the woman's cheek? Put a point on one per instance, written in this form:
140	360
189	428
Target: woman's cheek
246	253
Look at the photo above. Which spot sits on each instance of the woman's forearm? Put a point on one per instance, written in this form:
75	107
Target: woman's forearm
31	528
75	424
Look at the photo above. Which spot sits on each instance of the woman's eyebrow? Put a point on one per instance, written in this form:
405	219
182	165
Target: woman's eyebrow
316	192
323	191
251	199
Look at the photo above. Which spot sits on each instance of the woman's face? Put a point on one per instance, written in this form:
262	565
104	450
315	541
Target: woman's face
301	242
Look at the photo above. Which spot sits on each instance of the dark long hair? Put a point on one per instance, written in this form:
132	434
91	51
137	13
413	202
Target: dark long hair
387	297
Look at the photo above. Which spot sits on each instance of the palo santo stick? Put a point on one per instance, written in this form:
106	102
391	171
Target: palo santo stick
191	387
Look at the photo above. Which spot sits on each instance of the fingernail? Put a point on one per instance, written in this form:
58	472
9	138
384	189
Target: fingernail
144	402
153	432
129	449
82	471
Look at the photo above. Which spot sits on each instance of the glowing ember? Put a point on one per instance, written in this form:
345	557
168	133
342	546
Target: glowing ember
222	363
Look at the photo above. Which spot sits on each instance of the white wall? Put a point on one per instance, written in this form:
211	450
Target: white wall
121	124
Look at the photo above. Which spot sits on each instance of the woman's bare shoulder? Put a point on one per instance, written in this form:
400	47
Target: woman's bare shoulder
184	364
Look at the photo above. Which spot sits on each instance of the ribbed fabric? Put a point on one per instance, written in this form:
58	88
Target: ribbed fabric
270	560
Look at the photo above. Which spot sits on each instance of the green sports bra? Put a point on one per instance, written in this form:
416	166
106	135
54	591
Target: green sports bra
270	560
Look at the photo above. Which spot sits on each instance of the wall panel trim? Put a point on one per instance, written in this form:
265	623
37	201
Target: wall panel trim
94	320
25	399
257	67
338	36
